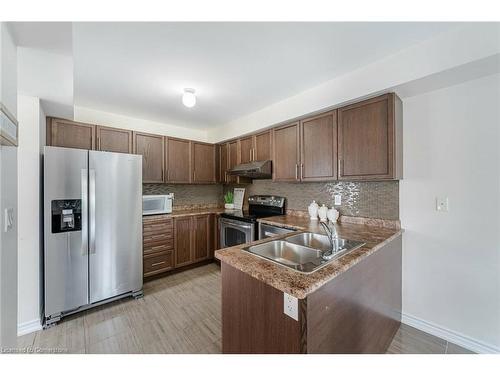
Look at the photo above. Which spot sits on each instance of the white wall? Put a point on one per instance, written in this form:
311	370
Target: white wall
116	120
469	43
30	125
451	260
8	69
8	196
49	76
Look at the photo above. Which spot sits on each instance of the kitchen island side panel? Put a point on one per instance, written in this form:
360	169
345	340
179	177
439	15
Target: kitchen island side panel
253	320
360	310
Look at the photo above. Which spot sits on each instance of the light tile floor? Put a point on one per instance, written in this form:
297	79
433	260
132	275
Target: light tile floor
179	313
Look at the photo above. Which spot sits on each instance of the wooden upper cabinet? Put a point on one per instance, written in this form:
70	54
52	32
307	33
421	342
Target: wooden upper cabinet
203	162
201	238
318	136
263	146
183	240
246	149
223	162
114	140
178	155
151	147
369	139
286	153
232	159
65	133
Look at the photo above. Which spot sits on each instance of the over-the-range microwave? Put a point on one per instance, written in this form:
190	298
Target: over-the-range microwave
157	204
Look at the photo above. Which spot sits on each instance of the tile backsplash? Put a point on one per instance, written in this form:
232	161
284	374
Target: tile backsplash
377	199
188	195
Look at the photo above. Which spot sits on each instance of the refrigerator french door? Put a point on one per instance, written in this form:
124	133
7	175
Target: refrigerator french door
93	228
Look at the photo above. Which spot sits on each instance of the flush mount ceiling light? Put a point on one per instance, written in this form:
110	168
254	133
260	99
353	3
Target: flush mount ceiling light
189	98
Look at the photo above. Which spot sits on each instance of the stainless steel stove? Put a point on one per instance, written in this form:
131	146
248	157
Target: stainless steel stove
240	226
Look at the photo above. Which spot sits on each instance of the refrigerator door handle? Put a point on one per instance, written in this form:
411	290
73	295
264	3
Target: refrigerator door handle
85	221
91	211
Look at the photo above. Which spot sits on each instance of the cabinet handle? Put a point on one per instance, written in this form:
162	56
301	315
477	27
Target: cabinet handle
340	167
253	151
99	143
157	264
168	174
250	152
296	171
301	171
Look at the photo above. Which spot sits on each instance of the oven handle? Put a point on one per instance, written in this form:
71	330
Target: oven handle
235	223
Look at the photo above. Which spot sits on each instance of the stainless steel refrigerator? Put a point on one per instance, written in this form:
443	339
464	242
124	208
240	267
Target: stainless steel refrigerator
93	229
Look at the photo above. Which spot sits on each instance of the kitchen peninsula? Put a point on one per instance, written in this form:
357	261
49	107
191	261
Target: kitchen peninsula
351	305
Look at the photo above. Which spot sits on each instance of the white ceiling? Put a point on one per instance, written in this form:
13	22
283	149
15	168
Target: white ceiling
140	69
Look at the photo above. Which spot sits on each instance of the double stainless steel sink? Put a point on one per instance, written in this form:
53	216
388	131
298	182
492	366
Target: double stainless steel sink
303	252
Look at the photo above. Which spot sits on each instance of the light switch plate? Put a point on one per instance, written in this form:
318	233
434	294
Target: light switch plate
291	306
338	200
442	204
8	219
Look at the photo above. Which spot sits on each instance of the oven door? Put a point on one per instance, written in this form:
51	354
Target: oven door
235	232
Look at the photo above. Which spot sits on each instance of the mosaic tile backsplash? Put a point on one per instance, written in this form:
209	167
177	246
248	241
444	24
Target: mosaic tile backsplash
188	195
367	199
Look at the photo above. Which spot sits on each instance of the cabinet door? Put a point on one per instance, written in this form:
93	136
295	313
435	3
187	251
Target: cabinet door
318	136
114	140
366	137
151	148
178	160
286	153
223	162
182	241
64	133
246	149
233	160
203	162
201	245
262	150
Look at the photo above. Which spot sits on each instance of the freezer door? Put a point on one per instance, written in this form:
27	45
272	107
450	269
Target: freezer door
65	248
115	224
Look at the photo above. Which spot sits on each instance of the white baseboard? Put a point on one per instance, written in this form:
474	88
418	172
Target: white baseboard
28	327
449	335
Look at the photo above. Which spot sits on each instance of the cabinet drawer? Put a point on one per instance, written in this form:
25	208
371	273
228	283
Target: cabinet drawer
158	248
157	228
158	263
159	219
156	238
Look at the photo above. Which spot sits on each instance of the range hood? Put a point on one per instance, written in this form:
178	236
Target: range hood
254	169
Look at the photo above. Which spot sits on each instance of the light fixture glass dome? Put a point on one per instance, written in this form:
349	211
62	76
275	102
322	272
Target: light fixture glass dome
189	98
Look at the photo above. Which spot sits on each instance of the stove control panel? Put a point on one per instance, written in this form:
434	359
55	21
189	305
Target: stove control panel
267	200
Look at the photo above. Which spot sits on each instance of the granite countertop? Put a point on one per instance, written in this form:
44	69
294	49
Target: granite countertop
299	284
190	212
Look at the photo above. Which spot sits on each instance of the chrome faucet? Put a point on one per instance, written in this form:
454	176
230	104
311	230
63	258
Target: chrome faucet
331	232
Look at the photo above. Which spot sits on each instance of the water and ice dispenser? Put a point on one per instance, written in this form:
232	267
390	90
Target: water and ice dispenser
66	215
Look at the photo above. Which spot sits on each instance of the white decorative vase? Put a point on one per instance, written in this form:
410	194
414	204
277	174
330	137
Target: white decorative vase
313	210
332	215
322	211
229	206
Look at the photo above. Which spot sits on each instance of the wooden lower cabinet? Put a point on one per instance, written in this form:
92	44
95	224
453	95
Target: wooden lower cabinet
183	241
158	245
201	238
173	243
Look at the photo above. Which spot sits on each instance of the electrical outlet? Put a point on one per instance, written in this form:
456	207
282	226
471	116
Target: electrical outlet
442	204
338	200
291	306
